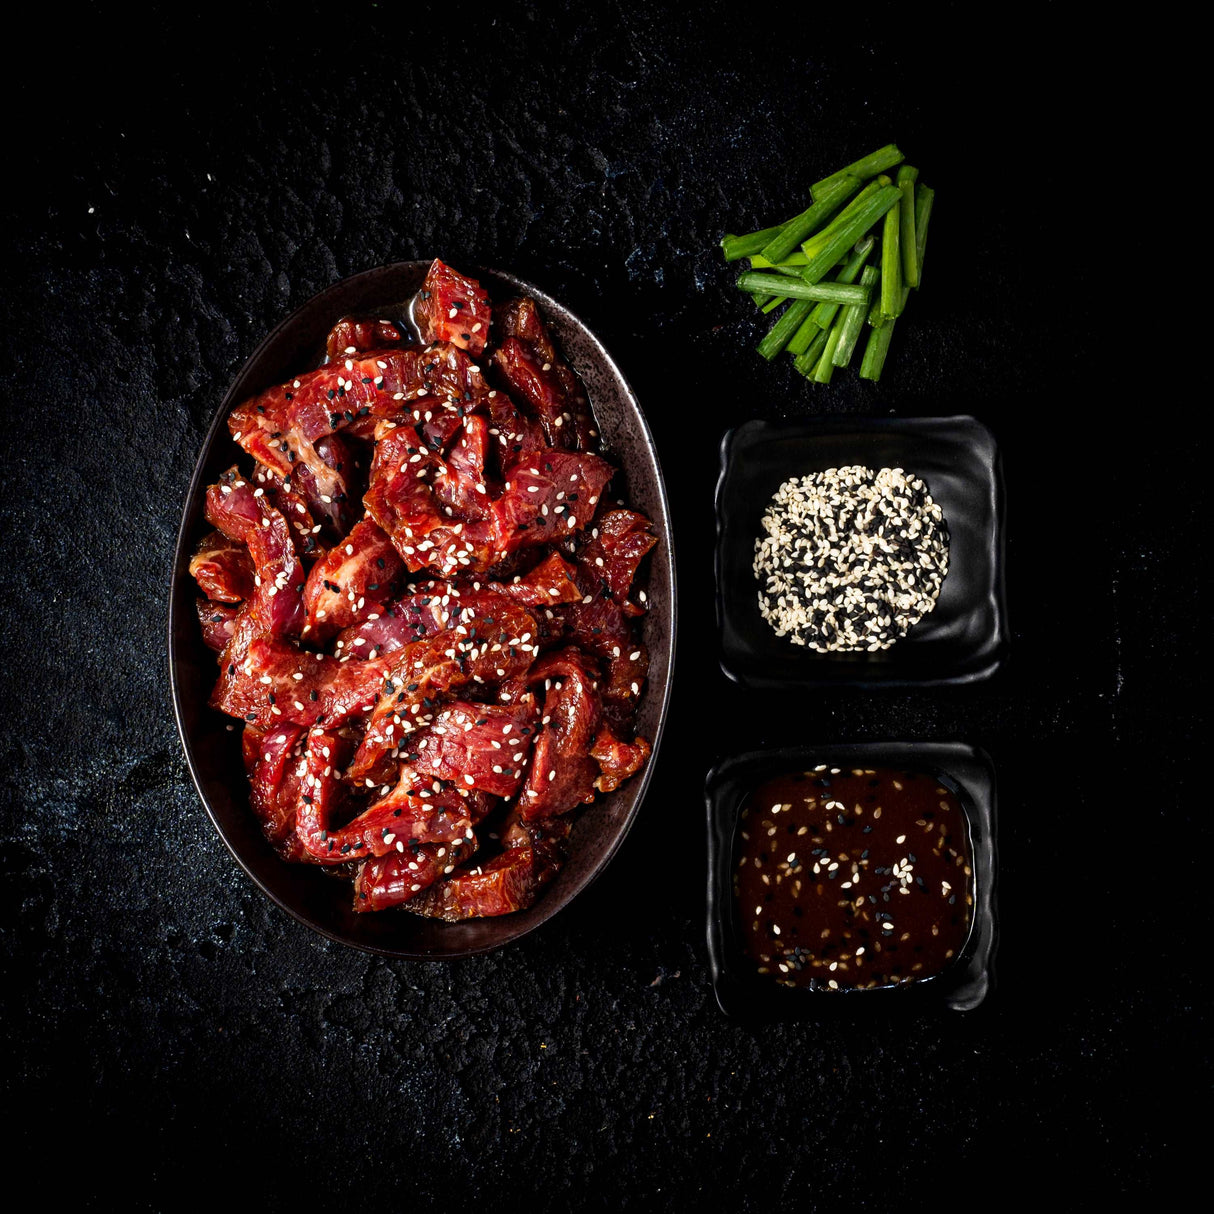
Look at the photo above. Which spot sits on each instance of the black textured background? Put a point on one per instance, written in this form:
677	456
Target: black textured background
176	186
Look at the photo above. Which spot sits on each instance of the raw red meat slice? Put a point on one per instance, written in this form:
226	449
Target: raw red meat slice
511	881
515	435
350	336
280	427
549	496
482	746
617	760
618	543
453	308
601	628
533	854
265	690
402	502
322	794
562	774
408	619
389	880
549	584
244	515
218	622
417	810
459	482
273	763
541	379
488	639
284	496
222	568
355	580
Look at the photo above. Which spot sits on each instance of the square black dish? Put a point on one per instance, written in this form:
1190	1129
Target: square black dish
963	639
744	993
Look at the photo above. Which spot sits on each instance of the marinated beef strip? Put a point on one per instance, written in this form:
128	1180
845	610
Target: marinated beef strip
482	746
393	879
619	542
599	627
424	809
549	496
281	427
278	681
617	760
514	434
453	308
355	580
550	583
274	764
353	336
459	478
467	641
401	499
537	375
283	494
562	773
533	854
423	812
243	514
218	623
222	568
488	638
408	619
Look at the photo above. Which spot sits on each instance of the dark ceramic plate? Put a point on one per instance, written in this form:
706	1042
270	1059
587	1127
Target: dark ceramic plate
963	639
213	752
744	993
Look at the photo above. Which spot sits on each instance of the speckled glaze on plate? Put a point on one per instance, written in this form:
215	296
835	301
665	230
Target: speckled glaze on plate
213	752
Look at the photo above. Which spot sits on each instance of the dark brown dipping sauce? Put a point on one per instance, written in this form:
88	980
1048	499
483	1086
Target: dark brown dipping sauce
853	878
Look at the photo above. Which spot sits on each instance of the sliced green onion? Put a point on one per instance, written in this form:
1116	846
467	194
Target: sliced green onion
853	322
826	363
876	350
787	270
795	258
737	247
907	176
798	343
781	332
824	314
805	363
772	304
818	240
924	196
876	206
891	262
864	168
834	292
826	201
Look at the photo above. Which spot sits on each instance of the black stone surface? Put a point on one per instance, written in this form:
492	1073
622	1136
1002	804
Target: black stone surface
178	184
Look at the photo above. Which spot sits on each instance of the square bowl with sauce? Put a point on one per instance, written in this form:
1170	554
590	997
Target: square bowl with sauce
846	878
963	638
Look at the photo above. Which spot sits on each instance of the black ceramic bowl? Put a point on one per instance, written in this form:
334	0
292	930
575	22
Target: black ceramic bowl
744	993
213	750
962	639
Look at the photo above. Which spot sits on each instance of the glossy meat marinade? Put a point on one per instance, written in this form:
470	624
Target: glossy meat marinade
425	607
853	878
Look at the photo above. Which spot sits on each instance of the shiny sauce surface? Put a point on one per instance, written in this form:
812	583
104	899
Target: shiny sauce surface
853	878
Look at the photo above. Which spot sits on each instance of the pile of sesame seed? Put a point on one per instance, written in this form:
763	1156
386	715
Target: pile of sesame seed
850	558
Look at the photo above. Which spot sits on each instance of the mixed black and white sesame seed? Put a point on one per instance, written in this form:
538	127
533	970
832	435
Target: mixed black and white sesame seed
851	558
